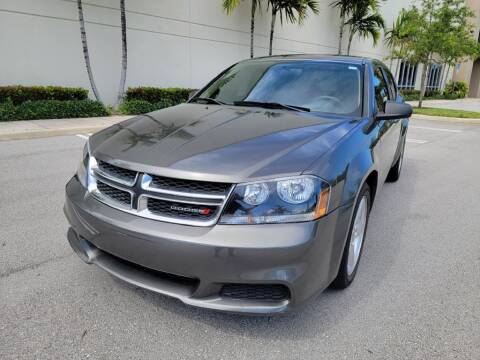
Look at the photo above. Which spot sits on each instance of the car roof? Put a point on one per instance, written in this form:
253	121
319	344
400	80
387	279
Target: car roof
337	58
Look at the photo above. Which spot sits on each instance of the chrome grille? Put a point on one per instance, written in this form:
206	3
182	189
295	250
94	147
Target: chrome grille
115	194
190	186
115	173
178	201
181	210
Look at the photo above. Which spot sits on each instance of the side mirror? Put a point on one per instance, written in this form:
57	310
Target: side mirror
395	111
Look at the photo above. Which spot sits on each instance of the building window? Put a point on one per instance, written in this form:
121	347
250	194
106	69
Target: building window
433	77
407	75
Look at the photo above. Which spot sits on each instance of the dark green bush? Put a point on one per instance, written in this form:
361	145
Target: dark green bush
137	107
55	109
7	110
456	90
19	94
154	95
410	95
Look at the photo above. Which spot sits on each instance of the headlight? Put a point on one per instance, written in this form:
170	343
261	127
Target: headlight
295	199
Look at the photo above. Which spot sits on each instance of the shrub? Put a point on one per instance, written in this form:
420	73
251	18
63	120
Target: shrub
19	94
137	107
7	110
56	109
456	90
410	94
154	95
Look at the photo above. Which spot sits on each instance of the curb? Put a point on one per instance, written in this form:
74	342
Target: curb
446	119
48	133
34	129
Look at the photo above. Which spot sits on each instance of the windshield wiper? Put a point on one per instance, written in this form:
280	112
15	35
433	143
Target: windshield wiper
208	100
271	105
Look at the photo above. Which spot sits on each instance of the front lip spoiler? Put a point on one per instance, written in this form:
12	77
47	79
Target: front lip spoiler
132	275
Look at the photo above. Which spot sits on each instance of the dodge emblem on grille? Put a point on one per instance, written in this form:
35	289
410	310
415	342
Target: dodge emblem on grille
204	211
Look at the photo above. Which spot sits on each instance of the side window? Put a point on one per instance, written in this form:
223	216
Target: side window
391	83
381	88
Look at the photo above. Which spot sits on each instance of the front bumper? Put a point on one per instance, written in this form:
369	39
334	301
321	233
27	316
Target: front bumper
192	263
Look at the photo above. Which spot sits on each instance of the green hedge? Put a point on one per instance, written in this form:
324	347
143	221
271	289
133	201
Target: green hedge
137	107
410	95
51	109
456	90
154	95
19	94
142	100
7	110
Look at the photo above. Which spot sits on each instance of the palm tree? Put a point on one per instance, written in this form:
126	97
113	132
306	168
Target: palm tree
230	5
364	23
345	7
294	11
392	36
398	36
86	54
123	75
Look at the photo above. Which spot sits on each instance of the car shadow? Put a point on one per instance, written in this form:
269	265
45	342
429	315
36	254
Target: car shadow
392	209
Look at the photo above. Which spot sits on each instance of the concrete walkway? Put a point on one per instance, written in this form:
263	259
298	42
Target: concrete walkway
446	119
15	130
12	130
468	104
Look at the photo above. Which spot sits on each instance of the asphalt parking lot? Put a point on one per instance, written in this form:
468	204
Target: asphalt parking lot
416	296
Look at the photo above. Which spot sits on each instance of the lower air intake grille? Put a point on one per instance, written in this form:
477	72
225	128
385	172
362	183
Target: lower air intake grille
181	210
255	292
120	196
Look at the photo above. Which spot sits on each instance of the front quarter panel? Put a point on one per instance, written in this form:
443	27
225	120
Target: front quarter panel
348	164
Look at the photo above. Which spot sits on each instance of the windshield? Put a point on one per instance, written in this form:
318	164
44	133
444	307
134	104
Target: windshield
327	87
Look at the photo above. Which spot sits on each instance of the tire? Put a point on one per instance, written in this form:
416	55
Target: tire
396	170
348	269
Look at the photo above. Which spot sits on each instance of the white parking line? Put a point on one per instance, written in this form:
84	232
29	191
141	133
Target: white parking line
82	136
435	129
415	141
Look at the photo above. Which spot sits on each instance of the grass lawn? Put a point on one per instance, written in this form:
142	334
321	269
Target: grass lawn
447	112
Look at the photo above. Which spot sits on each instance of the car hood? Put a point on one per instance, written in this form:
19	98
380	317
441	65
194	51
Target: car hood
219	143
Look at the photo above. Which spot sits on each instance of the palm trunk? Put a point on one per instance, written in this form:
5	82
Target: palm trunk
86	54
442	73
123	75
423	85
397	67
272	29
350	38
252	26
398	64
340	37
444	82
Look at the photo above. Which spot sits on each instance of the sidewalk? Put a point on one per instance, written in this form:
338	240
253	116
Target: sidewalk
467	104
446	119
14	130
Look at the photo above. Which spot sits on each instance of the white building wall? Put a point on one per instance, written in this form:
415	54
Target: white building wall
170	42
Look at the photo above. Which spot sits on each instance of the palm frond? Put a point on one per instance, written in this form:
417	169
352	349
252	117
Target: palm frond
230	5
365	23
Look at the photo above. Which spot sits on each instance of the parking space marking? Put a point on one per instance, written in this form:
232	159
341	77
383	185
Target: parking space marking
82	136
435	129
416	141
